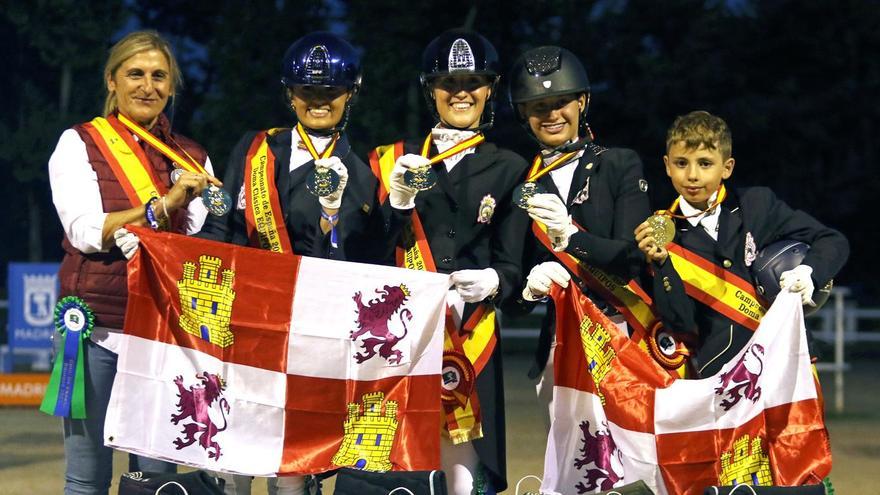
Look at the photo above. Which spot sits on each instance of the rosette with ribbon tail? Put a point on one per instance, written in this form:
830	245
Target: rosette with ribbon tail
458	379
65	394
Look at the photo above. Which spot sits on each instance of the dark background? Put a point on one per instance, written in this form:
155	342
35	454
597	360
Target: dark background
797	82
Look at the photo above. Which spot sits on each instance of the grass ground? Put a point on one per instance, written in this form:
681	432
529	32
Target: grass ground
32	457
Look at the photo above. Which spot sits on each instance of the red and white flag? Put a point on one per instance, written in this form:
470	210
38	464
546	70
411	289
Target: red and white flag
246	361
618	417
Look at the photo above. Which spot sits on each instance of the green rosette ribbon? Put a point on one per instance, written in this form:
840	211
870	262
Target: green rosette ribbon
65	394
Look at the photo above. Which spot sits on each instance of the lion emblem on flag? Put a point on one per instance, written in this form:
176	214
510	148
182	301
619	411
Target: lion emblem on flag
373	319
744	377
195	403
598	450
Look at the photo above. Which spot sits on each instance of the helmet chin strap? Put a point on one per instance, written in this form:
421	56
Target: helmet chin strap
567	147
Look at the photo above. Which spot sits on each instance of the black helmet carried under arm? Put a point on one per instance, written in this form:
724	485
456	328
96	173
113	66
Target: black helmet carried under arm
460	51
547	71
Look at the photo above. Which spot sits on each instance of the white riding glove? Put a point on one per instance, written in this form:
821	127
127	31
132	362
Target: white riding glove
128	242
548	209
334	200
401	195
799	280
475	285
542	277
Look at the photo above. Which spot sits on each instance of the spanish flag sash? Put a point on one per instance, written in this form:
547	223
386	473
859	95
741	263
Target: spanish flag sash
717	287
126	159
628	298
468	343
712	285
264	217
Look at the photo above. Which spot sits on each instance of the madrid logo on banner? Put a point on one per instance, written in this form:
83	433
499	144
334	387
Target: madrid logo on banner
246	361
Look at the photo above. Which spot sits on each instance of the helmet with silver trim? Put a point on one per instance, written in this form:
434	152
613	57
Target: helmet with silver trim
547	71
779	257
460	51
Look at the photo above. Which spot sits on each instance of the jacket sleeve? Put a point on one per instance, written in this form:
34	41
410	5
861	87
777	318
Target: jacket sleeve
508	238
231	227
619	254
829	249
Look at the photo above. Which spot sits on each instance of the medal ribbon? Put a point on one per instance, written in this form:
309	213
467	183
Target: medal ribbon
467	144
126	159
307	141
717	287
189	164
65	393
475	340
264	217
535	174
722	195
627	297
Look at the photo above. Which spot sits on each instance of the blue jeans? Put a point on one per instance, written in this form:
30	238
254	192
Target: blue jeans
89	463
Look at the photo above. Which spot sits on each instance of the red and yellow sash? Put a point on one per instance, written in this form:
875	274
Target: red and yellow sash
264	217
467	347
126	159
712	285
717	287
627	297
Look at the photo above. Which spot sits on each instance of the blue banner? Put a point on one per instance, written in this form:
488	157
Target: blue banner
33	291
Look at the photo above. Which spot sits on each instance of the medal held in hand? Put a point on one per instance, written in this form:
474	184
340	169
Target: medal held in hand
322	181
216	200
421	179
525	191
664	229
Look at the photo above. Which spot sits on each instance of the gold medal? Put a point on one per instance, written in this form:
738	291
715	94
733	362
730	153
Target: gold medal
664	229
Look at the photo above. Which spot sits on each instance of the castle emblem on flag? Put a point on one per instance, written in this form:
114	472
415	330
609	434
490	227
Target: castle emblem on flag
369	434
744	376
194	403
374	318
205	303
598	350
745	464
598	450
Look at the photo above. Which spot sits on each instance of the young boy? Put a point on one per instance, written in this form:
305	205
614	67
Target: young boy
726	228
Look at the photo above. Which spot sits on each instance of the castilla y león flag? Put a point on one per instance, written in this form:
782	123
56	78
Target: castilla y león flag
618	417
246	361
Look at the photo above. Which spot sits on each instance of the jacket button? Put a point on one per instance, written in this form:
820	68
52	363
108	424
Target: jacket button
727	263
446	259
451	233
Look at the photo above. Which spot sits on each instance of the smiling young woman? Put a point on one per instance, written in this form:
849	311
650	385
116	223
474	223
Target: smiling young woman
455	190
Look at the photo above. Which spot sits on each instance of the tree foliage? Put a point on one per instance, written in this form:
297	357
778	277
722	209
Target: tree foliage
796	81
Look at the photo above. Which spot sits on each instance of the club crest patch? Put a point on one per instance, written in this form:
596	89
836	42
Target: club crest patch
583	194
643	185
486	210
751	251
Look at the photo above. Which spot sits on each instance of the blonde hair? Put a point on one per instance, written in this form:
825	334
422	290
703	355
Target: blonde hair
701	128
131	45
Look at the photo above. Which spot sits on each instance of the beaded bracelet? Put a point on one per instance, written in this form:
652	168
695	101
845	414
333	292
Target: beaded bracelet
150	214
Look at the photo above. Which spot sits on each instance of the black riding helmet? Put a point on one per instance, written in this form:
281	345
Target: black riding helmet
547	71
460	51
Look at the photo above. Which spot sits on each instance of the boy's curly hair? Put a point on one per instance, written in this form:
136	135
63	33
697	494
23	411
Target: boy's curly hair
701	127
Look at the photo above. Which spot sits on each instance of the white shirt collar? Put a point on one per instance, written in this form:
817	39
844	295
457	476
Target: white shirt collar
709	220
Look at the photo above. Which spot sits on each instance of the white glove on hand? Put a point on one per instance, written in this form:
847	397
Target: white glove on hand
334	200
548	209
475	285
542	277
401	195
799	280
128	242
